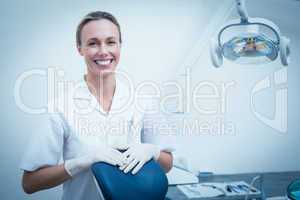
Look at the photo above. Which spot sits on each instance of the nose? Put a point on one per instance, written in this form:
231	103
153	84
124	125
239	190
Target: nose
103	50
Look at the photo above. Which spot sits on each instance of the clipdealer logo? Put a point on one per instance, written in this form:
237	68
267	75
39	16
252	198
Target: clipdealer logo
217	98
278	81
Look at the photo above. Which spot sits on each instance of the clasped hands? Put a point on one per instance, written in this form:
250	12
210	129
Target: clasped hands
137	155
132	159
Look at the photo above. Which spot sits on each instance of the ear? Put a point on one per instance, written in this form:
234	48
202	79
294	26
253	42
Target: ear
79	49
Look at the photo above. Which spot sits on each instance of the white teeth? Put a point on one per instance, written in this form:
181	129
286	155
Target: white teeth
103	62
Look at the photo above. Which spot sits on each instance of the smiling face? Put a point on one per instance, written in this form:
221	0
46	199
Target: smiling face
100	47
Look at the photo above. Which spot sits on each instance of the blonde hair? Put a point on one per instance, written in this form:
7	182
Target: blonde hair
92	16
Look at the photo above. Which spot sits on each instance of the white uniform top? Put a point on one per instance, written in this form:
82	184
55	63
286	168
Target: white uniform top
79	124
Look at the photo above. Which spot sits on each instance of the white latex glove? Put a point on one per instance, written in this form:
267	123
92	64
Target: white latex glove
101	154
137	155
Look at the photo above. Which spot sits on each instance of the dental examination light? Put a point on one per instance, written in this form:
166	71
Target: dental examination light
249	41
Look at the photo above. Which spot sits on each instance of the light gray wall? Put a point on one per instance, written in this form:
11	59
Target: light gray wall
254	146
158	36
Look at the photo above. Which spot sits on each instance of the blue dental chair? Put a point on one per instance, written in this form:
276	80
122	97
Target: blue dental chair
150	183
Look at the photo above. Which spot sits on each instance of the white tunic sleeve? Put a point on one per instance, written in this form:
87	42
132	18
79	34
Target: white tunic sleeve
46	145
158	129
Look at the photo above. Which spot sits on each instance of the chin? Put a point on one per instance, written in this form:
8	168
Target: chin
103	71
107	72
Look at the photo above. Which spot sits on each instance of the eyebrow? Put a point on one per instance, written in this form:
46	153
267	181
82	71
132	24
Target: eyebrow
109	38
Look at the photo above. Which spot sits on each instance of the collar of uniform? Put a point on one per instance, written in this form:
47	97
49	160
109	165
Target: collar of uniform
122	97
82	91
121	94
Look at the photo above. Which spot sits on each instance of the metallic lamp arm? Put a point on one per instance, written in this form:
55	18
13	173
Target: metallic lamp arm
241	8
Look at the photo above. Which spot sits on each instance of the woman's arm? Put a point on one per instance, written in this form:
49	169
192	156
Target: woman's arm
165	160
51	176
44	178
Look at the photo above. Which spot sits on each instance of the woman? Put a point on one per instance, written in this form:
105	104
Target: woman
99	42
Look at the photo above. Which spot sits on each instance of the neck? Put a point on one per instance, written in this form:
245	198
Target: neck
102	87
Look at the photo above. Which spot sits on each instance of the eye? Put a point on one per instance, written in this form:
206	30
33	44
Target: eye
111	43
91	44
